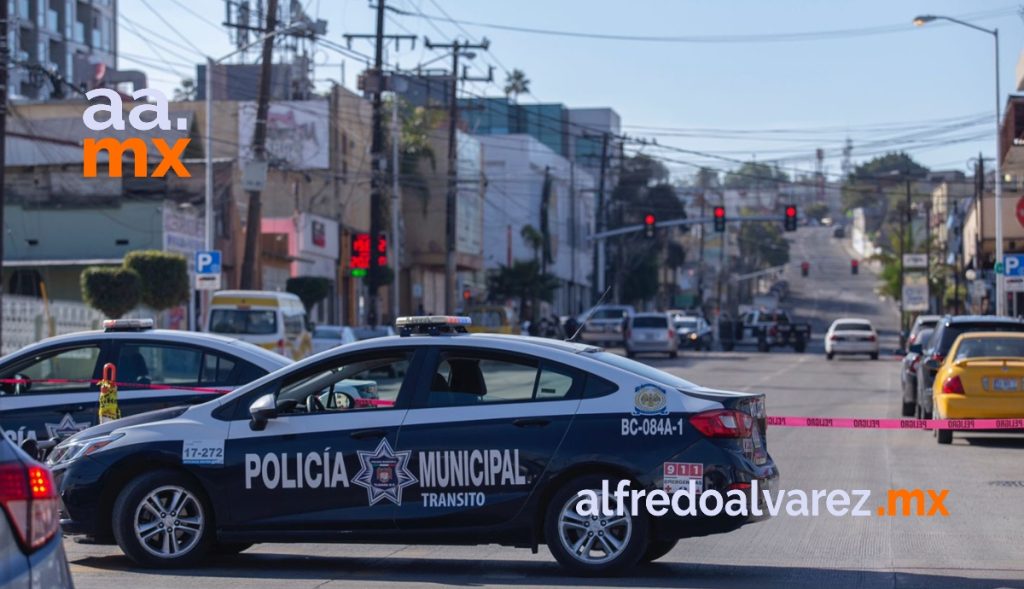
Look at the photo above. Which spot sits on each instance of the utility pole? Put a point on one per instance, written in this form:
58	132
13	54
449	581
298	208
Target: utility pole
4	59
250	278
600	250
904	219
458	49
375	85
376	161
396	203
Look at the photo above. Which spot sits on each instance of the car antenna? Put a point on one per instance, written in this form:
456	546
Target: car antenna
589	313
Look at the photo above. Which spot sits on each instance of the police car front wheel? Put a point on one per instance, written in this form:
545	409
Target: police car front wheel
162	519
593	544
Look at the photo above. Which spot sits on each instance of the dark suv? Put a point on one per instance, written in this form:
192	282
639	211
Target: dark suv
946	331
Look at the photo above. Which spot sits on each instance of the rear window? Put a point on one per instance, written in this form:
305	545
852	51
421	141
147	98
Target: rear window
609	314
691	323
642	370
953	331
650	322
243	321
853	327
991	347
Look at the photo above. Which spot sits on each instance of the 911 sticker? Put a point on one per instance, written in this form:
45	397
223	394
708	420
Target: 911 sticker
202	452
652	426
677	476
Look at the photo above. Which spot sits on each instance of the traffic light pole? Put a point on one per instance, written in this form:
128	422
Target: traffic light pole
681	223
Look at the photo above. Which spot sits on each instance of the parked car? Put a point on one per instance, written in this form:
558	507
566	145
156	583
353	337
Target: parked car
31	547
768	328
603	324
921	322
908	370
651	333
849	336
839	232
492	319
326	337
50	388
946	331
273	320
477	439
693	332
982	377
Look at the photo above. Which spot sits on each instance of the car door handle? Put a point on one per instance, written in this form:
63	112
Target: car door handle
532	422
368	433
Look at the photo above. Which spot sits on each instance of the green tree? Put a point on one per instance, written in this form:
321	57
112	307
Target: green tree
186	91
762	245
873	184
816	210
641	278
310	289
516	83
522	281
755	175
164	277
112	291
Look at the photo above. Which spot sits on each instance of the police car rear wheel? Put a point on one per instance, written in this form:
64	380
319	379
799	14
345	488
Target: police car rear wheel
161	519
593	545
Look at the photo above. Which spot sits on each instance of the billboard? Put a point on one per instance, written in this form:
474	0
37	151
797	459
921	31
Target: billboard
297	133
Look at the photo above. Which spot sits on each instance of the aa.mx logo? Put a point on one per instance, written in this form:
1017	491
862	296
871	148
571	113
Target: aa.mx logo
116	148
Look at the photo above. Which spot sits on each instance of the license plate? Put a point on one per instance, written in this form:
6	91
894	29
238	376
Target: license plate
1004	384
649	336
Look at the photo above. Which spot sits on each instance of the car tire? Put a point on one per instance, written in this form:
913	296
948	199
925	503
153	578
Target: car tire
140	528
673	354
944	436
874	355
829	355
657	549
563	530
908	408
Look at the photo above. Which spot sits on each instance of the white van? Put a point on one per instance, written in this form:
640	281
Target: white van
272	320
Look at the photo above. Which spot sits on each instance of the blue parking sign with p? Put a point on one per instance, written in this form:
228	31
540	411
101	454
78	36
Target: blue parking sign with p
208	262
1013	265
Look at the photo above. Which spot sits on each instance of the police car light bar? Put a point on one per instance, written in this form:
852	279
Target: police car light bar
127	324
432	324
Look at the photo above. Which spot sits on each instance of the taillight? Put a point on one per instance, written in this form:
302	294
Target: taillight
723	423
773	331
671	334
953	386
914	363
938	358
871	338
280	344
29	497
833	337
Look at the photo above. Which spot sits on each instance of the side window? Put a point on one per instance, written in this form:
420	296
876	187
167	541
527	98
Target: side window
56	371
362	384
293	325
598	387
466	378
222	371
145	364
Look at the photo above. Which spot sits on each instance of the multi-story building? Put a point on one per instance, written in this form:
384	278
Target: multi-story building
74	40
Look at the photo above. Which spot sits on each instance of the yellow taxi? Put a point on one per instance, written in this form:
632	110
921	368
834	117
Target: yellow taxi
492	319
982	377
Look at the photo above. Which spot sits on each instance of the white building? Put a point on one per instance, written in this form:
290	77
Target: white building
515	168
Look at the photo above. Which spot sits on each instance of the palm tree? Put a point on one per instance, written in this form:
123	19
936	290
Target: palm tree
516	83
186	91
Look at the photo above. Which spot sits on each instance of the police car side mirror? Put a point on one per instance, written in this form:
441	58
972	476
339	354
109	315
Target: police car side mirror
915	348
261	411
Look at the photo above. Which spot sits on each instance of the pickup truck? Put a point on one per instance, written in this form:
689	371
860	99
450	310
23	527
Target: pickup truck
767	329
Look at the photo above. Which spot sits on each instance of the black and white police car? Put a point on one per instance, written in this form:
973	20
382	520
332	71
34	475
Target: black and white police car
49	389
473	438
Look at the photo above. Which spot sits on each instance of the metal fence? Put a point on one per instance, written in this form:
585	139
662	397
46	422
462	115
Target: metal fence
25	320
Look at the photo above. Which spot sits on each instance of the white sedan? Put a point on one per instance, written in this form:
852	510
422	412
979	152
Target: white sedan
851	336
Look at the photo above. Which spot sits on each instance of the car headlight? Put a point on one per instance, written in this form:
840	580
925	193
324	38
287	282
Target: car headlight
693	335
70	451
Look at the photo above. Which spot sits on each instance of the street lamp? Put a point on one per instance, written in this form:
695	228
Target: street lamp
1000	292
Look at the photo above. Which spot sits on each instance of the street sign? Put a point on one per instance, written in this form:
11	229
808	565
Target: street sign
915	261
1013	265
208	281
1013	284
915	292
208	262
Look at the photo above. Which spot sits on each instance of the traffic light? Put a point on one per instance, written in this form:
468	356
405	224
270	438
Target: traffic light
382	249
719	219
854	266
789	224
649	223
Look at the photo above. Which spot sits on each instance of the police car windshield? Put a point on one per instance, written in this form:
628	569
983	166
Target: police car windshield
239	321
642	370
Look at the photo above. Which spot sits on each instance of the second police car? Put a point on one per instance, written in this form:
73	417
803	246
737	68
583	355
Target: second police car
474	438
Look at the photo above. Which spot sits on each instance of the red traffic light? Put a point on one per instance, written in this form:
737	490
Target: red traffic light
790	211
720	212
649	220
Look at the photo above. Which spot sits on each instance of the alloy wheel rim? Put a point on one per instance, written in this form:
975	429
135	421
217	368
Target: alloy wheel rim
169	522
594	539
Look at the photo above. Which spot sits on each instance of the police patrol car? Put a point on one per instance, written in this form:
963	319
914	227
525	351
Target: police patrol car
49	389
473	438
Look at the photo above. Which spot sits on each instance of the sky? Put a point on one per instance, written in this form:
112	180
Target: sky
771	81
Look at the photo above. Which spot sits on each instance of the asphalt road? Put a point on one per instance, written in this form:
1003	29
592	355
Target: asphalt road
979	545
